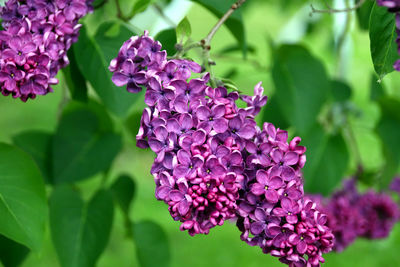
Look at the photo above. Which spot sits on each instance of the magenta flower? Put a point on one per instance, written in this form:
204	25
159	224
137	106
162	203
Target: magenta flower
35	39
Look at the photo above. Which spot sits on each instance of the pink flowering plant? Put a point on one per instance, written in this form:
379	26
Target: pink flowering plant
139	130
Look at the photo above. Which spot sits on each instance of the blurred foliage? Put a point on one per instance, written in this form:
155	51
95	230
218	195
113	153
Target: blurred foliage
73	153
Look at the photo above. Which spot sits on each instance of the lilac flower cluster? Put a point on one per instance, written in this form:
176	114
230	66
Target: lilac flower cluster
34	43
272	212
394	7
214	163
351	214
196	131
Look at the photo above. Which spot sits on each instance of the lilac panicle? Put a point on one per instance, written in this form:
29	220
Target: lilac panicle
351	214
34	43
213	162
272	211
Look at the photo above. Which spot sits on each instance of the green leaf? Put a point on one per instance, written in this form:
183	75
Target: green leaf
327	161
132	123
12	254
75	81
93	63
364	14
341	91
80	231
234	22
123	190
183	31
301	84
382	34
23	205
168	40
38	145
272	113
139	7
388	130
377	90
82	147
151	244
110	36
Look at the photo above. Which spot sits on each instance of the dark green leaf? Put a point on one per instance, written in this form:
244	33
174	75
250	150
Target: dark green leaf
81	147
382	34
93	64
23	205
327	161
272	113
38	145
302	86
388	130
132	123
75	81
168	40
364	13
233	48
183	31
123	190
377	90
340	91
12	254
234	22
110	36
80	231
151	244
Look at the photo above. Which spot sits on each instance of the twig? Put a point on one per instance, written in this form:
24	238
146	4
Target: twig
334	10
119	11
221	21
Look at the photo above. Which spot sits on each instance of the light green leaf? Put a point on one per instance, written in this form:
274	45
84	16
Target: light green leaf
23	206
183	31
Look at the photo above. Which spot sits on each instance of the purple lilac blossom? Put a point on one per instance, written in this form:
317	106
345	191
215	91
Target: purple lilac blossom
213	162
272	212
395	185
351	214
394	7
34	43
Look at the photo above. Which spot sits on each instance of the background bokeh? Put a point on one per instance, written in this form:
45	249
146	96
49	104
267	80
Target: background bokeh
277	20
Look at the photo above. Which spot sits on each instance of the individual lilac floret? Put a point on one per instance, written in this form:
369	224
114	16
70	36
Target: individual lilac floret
34	43
272	213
